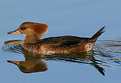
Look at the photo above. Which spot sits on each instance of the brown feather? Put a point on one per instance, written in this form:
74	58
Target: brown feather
40	28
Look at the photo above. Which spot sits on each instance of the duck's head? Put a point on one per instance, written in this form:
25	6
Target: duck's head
28	28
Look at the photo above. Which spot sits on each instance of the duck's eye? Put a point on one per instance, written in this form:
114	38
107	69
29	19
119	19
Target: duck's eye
22	28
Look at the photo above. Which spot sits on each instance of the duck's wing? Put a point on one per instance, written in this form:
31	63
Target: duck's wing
69	42
64	40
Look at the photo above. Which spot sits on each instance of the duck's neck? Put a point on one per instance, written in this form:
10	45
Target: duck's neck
31	38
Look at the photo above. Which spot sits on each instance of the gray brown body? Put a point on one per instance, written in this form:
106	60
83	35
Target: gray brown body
62	44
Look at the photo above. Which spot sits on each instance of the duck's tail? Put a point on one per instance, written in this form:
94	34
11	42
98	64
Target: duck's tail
96	35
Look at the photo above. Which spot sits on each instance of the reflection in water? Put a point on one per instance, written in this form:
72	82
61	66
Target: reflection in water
30	65
103	56
35	64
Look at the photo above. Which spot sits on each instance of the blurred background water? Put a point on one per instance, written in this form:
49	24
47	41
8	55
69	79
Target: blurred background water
64	17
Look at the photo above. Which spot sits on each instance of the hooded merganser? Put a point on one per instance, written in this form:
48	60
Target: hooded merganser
53	45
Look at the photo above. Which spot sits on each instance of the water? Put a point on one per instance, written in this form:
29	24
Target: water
76	17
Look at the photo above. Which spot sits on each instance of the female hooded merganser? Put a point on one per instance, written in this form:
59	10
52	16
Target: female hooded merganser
53	45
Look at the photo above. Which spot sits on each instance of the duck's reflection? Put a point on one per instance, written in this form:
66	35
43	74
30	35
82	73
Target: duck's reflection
34	62
30	65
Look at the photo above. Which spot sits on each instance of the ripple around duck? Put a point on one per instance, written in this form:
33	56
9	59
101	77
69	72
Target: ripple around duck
105	54
12	46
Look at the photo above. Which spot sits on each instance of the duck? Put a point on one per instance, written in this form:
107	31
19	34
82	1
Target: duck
53	45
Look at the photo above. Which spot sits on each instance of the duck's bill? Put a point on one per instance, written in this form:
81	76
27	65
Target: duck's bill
14	62
14	32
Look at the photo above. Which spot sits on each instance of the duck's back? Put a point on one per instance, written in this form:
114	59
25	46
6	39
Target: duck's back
64	40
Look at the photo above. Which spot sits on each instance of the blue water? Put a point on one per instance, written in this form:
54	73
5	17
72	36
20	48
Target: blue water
65	17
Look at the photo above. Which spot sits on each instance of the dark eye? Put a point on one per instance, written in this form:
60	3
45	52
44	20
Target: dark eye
22	28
